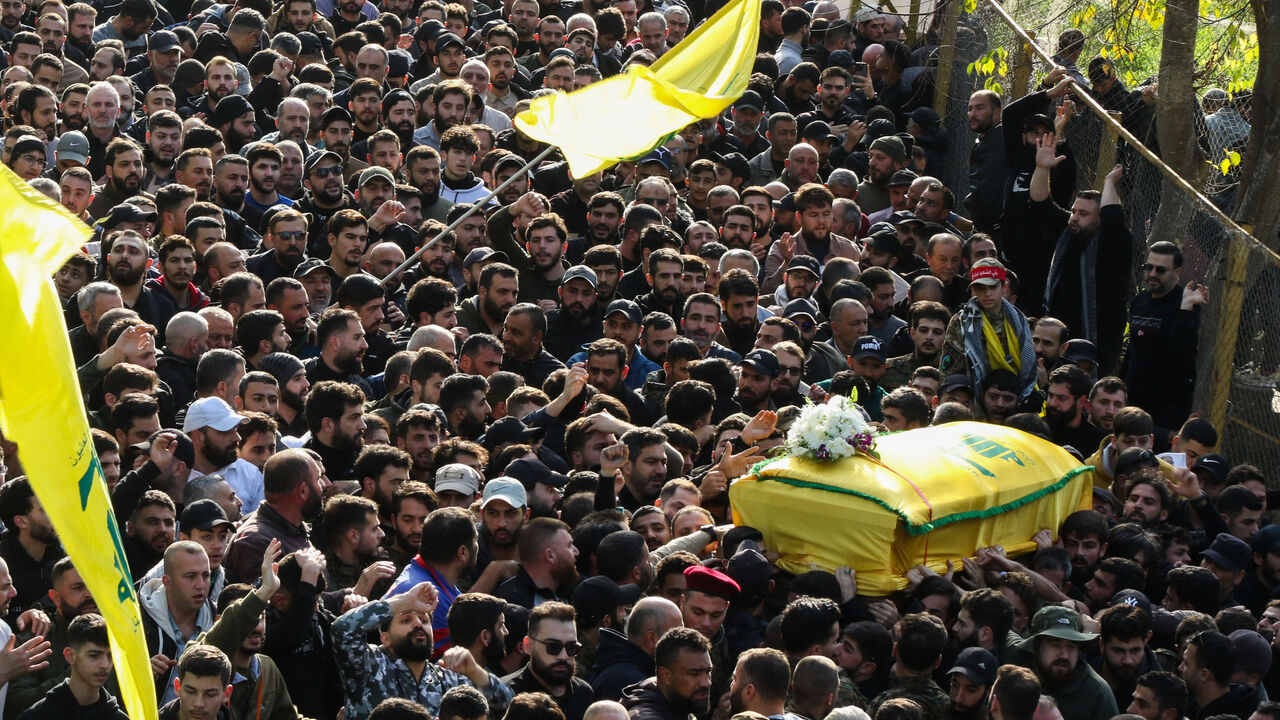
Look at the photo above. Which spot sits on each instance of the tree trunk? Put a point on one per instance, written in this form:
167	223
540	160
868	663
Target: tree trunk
1256	206
1176	127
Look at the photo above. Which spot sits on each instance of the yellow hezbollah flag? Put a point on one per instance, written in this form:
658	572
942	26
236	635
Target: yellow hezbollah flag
627	115
40	410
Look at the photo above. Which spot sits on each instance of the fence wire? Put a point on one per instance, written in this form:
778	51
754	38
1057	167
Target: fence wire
989	53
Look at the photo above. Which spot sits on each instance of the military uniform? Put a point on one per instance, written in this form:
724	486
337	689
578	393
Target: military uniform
924	691
898	370
371	674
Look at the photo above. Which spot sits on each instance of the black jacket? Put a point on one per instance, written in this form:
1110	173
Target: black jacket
299	641
573	704
1160	361
60	704
180	374
620	664
644	702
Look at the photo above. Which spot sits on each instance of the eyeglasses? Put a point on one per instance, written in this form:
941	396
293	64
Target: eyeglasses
291	235
31	158
327	171
555	647
656	202
791	371
1159	269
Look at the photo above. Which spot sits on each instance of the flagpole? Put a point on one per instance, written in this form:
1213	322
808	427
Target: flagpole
475	207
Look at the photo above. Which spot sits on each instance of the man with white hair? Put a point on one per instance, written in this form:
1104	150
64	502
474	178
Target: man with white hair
101	109
434	336
186	339
652	27
678	20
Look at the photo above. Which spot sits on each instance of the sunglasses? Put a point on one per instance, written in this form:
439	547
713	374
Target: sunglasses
327	171
291	235
555	647
656	202
1159	269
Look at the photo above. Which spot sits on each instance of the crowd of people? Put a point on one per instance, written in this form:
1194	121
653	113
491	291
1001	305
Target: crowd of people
497	484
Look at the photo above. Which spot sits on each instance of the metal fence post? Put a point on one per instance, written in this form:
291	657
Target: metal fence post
1223	364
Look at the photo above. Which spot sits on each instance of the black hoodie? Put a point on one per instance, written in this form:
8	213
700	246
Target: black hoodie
60	704
643	701
622	664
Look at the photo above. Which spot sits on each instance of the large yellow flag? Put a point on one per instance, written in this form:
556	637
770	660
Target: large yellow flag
629	114
40	409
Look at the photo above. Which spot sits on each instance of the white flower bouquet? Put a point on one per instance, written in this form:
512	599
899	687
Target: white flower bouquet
830	431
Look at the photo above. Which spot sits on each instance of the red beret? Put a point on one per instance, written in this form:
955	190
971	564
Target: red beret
711	581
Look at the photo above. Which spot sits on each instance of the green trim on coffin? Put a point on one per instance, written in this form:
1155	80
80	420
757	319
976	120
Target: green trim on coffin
932	525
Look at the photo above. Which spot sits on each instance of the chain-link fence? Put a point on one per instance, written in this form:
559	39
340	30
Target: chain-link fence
1238	358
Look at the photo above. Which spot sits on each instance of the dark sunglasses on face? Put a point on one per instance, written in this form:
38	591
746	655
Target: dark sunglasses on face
1159	269
555	647
327	171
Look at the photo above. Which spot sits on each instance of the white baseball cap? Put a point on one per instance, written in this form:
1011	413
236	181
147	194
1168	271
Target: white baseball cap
458	478
212	412
509	490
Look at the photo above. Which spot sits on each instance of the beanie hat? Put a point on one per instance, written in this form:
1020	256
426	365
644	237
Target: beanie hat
282	366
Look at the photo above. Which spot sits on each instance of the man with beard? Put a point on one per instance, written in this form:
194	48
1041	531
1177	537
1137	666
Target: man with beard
418	433
194	168
411	503
552	644
1148	499
523	331
451	98
230	180
354	559
398	112
163	143
365	103
701	324
665	272
264	173
757	381
293	120
643	466
341	337
813	203
681	688
985	620
496	295
445	558
71	111
220	82
71	599
760	683
102	104
148	531
971	680
1049	338
211	423
882	323
1159	368
335	417
504	509
322	176
422	170
462	398
501	94
290	182
291	375
29	545
928	327
577	322
335	130
406	644
122	176
799	281
476	623
127	258
607	371
919	639
236	119
541	258
1125	655
178	263
886	156
1089	274
988	167
293	486
739	295
287	237
1056	636
548	569
1065	406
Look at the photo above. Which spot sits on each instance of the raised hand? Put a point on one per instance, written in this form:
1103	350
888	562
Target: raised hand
1047	151
1194	294
759	427
270	564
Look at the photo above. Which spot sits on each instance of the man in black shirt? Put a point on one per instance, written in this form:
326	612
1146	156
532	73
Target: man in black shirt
577	322
522	333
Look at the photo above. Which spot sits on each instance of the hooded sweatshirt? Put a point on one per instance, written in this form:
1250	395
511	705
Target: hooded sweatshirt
622	664
161	633
61	704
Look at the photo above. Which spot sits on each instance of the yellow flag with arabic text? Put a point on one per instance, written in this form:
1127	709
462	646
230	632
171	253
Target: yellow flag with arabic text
627	115
41	410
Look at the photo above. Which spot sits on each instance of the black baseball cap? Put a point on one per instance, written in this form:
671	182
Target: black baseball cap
204	514
1229	552
868	346
956	382
977	664
509	429
807	263
801	306
735	161
529	472
598	596
627	307
762	361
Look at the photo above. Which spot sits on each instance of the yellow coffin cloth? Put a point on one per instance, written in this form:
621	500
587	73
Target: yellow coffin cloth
936	494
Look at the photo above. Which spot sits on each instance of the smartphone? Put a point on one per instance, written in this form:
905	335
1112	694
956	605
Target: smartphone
860	69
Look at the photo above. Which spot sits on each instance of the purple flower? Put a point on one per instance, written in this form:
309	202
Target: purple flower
823	453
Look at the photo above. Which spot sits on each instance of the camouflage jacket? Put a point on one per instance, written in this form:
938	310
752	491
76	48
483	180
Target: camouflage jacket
371	674
935	703
899	370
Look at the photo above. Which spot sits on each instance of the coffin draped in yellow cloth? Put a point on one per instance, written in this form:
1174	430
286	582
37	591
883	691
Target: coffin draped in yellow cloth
935	494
